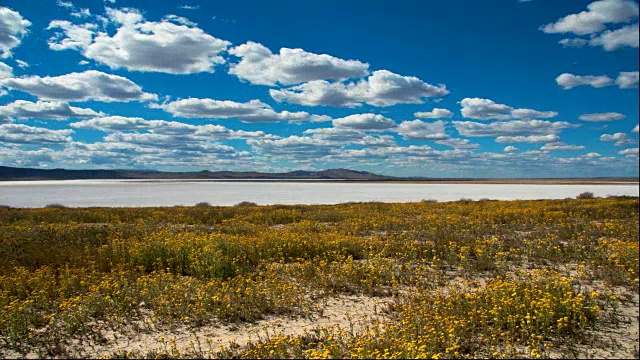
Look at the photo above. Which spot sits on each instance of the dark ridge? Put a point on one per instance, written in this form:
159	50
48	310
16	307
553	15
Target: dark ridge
12	173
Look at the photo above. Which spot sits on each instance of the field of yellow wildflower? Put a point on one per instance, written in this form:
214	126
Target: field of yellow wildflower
463	279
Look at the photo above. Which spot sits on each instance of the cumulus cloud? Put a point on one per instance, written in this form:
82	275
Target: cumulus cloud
485	109
176	143
84	86
173	45
573	43
162	127
532	139
6	71
364	122
422	130
568	81
560	146
618	139
296	147
336	134
612	40
71	36
252	111
382	88
179	20
511	128
606	116
627	80
458	144
436	113
635	129
510	149
13	27
65	4
55	110
629	152
259	65
595	18
30	135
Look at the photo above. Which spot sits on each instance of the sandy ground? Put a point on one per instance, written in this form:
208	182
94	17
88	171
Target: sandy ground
617	340
343	311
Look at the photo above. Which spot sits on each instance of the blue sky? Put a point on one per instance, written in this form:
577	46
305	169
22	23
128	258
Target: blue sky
501	88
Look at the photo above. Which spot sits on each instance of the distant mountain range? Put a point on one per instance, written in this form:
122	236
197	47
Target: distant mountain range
13	173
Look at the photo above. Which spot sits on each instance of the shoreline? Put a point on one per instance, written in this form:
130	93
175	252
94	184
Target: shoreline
542	181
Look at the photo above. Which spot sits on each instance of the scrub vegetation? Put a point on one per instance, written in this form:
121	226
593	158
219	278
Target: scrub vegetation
461	279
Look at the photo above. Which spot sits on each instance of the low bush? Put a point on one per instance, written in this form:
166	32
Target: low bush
246	203
585	195
55	206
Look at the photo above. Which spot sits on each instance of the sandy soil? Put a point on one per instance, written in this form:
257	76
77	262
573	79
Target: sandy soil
343	311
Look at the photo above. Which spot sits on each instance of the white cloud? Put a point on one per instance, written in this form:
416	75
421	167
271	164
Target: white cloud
364	122
14	156
335	134
13	27
532	139
568	81
510	149
345	136
22	64
140	45
81	13
259	65
6	71
635	129
72	36
422	130
612	40
606	116
65	4
295	147
436	113
162	127
54	110
382	88
178	144
458	144
84	86
252	111
573	43
627	80
511	128
618	139
598	14
560	146
29	135
189	7
593	155
631	151
181	20
485	109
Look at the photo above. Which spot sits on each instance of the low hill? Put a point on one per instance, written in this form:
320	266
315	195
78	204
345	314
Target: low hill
14	173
